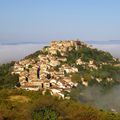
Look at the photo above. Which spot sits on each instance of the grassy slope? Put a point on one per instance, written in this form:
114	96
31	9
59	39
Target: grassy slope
18	104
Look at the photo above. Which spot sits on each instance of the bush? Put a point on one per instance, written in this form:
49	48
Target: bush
45	113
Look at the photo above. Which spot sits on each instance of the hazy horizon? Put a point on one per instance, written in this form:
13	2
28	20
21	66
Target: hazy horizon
10	53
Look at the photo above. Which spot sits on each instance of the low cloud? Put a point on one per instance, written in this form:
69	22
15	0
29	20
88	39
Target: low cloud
96	96
16	52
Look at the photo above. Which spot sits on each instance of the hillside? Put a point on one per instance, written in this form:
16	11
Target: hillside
17	104
6	79
63	65
66	67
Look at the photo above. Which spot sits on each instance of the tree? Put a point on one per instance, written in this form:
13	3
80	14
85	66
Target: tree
45	113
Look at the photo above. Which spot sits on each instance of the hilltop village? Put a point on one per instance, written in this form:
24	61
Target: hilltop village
50	70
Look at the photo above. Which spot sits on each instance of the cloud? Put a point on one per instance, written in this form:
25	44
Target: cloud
106	100
17	52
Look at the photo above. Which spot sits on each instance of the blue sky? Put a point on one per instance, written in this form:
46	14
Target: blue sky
45	20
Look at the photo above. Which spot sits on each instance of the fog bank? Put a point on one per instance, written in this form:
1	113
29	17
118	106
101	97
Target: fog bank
16	52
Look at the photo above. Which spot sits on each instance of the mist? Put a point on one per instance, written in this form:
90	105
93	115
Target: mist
16	52
98	97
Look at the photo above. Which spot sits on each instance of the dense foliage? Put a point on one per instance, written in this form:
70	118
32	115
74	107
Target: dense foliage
45	113
87	54
6	78
106	71
104	62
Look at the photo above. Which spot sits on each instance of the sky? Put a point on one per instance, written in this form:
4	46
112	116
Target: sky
45	20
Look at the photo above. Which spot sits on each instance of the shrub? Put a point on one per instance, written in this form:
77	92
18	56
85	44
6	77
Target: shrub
45	113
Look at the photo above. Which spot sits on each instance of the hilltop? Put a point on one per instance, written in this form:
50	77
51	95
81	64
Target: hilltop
63	65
